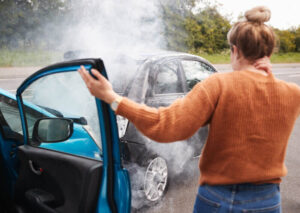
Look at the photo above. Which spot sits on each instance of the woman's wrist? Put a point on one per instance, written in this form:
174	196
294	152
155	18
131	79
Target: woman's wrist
110	97
115	103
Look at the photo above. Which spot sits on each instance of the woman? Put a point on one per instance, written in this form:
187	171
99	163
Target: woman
251	115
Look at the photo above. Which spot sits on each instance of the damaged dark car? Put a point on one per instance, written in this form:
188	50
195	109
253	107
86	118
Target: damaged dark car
155	80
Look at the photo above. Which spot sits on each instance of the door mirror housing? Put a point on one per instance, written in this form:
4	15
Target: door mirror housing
52	130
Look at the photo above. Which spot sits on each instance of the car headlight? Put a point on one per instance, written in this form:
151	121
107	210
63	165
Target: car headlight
122	125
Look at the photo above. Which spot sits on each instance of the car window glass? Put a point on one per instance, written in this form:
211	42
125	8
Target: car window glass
167	80
195	72
10	120
63	95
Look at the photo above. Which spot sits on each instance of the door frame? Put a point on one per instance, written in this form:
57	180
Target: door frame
115	193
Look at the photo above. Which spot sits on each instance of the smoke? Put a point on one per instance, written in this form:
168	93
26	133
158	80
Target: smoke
137	174
181	158
109	26
177	154
116	31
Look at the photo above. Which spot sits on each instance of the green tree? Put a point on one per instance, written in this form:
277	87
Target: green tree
22	22
174	13
174	30
207	31
13	23
180	7
297	39
187	29
286	40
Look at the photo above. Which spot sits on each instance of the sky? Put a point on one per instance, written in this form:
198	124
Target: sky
285	13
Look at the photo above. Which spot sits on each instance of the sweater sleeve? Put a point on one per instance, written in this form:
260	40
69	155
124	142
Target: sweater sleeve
178	121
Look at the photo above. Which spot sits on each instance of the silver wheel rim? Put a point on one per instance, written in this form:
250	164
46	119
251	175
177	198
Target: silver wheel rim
156	178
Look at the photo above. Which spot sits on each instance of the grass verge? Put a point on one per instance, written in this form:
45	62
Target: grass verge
224	58
23	58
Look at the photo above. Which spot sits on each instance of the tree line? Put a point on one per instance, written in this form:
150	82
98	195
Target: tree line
22	22
205	31
186	28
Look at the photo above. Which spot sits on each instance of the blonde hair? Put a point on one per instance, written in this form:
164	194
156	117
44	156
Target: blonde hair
252	37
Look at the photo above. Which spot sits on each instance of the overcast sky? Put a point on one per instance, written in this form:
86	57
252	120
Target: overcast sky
285	13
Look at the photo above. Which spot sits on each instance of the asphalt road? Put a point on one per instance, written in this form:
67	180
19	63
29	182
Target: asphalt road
181	194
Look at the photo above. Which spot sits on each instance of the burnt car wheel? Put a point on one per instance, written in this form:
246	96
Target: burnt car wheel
156	179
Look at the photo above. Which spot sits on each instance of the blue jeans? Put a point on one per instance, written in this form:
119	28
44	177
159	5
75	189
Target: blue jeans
239	198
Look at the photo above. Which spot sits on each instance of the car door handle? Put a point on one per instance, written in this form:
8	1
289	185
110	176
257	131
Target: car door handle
37	171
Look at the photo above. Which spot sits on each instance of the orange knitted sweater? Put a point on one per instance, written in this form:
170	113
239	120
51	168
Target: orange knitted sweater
250	117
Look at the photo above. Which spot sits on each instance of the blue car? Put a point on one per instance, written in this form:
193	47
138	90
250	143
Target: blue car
60	146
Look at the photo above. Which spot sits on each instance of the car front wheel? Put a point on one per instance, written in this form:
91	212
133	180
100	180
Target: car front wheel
156	179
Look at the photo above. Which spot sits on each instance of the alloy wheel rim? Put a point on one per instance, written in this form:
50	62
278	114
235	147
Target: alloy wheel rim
155	180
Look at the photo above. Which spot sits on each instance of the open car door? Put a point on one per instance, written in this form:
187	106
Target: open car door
69	157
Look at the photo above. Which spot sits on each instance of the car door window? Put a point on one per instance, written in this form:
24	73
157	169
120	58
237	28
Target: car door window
64	95
167	79
10	121
195	71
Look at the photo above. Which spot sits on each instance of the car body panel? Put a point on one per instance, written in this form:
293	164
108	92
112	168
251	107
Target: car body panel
140	150
8	150
142	90
73	145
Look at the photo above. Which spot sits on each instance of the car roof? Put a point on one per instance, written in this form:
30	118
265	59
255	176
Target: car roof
154	56
137	56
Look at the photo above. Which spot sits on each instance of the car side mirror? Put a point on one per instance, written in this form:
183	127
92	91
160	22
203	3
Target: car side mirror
51	130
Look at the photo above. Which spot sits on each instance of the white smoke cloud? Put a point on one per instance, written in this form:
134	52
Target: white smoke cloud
108	29
109	26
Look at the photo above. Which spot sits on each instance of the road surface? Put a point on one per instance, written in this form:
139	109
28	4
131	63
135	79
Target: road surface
180	196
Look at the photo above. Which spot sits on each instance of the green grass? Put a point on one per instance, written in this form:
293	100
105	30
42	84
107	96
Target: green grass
224	58
11	58
286	57
220	58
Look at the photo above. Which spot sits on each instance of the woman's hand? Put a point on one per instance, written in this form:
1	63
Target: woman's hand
100	87
264	64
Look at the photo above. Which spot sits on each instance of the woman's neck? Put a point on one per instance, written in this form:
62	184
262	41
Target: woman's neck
246	65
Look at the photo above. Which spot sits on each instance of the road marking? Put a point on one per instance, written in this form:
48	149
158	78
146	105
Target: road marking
292	76
285	73
11	79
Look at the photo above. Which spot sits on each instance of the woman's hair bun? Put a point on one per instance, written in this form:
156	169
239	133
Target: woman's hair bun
258	14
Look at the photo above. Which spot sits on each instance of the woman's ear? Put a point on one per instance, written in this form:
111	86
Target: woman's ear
235	50
234	57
